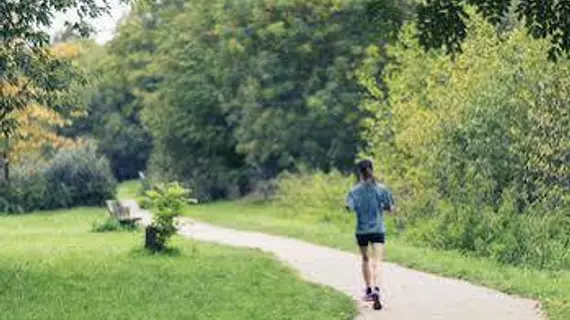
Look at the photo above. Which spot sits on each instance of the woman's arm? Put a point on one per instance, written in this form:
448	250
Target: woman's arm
349	203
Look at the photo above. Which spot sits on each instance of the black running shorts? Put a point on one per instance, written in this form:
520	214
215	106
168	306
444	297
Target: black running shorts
364	239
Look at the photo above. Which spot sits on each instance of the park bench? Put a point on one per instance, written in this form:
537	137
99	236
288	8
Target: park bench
121	213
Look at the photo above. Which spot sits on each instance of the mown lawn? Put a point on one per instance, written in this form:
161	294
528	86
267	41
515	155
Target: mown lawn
128	189
53	267
551	288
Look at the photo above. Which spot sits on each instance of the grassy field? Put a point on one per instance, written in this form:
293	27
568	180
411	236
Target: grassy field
128	189
552	289
53	267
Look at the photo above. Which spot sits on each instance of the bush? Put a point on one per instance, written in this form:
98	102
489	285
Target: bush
27	189
75	177
110	224
531	239
168	200
536	238
106	225
144	202
476	147
262	191
80	178
317	194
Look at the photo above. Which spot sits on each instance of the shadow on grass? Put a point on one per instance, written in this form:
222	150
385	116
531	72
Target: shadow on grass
170	252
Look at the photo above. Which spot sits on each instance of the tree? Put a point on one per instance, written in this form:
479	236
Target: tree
40	126
67	34
29	72
441	23
477	144
496	112
113	110
252	88
193	140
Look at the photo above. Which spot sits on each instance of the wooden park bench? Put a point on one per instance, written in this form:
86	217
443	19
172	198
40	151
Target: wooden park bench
122	214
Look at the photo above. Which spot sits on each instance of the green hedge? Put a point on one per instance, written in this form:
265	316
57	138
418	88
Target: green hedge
78	177
535	238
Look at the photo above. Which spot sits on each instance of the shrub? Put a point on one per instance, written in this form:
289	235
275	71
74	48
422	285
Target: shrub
8	203
476	146
79	177
533	238
27	189
74	177
144	202
168	201
106	225
536	238
262	191
312	194
110	224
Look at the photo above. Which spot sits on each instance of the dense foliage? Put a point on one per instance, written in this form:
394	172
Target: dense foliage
235	92
30	73
111	224
113	116
225	95
74	177
37	134
322	194
478	146
493	118
168	201
443	23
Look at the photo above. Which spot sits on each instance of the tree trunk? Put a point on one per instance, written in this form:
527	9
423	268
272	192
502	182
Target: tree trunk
2	169
152	242
4	160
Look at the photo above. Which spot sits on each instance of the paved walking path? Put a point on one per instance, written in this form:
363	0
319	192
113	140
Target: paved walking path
409	294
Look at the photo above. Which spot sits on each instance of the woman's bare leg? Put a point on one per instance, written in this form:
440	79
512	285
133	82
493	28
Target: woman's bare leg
366	270
376	263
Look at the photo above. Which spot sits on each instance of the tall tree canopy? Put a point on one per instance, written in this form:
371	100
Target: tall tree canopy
29	72
495	118
442	23
39	126
113	110
236	91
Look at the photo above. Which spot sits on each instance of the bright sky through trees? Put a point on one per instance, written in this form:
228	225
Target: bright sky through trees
104	25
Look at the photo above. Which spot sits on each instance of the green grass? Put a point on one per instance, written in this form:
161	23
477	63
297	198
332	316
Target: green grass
53	267
551	288
128	189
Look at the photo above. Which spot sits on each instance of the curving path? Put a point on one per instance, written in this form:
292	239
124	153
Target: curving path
408	294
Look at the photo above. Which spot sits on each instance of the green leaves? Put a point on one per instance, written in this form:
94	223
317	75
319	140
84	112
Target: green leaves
115	95
241	90
491	118
476	145
441	23
29	72
168	200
